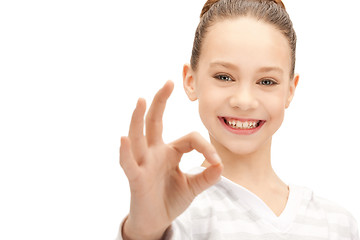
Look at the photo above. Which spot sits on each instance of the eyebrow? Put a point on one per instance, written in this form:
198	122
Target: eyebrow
224	64
271	69
233	66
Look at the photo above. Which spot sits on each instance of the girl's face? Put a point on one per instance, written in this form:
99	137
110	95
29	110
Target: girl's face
242	83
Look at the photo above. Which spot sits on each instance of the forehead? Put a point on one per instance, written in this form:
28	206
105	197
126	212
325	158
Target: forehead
246	42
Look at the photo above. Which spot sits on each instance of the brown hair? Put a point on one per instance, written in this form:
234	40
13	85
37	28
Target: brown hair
270	11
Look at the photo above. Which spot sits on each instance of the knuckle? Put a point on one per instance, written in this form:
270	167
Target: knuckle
122	164
121	160
194	135
198	140
149	118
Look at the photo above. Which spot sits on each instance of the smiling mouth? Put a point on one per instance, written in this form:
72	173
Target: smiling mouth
242	124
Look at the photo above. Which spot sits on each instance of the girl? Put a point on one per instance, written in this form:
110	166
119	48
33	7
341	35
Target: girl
242	74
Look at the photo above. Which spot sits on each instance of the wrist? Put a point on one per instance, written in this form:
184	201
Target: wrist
130	231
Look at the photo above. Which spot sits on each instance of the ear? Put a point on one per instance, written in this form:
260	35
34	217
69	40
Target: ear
293	85
189	82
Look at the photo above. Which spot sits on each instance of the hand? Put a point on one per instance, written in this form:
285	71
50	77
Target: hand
160	192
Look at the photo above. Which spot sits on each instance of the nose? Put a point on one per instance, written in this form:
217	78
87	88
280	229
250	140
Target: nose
243	98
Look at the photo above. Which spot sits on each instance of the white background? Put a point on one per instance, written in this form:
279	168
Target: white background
72	70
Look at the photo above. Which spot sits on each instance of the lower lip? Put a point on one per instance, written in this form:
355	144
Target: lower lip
241	131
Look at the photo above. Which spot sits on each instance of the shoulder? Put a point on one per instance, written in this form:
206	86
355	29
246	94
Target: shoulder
336	212
336	217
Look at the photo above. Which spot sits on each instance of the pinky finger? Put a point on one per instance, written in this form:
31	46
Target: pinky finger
127	161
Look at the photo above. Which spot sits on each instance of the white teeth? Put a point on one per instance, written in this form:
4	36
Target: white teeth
242	125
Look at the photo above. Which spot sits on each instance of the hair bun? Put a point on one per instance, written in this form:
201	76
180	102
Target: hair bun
279	2
207	6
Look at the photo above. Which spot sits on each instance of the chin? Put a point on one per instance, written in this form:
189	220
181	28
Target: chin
242	149
239	147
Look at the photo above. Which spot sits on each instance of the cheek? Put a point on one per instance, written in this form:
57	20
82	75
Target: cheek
206	95
210	100
275	106
206	102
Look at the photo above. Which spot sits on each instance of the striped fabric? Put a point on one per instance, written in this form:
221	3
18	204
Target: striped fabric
228	211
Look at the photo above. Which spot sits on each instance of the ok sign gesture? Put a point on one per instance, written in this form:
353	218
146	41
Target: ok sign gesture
160	191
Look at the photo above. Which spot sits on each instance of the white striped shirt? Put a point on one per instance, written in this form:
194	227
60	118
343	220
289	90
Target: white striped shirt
228	211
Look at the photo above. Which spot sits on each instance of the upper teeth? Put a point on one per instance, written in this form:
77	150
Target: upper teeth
243	125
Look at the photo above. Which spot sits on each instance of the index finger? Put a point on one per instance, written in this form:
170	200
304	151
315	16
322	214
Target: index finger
196	141
154	125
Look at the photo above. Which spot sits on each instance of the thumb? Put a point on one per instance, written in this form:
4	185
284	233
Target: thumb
204	180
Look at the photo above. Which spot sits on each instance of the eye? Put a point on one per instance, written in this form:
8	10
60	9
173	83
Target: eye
224	78
267	82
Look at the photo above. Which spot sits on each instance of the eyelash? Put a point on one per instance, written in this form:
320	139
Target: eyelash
271	82
222	77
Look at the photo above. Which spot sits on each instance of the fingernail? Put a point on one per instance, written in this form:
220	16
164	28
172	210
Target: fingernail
216	158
